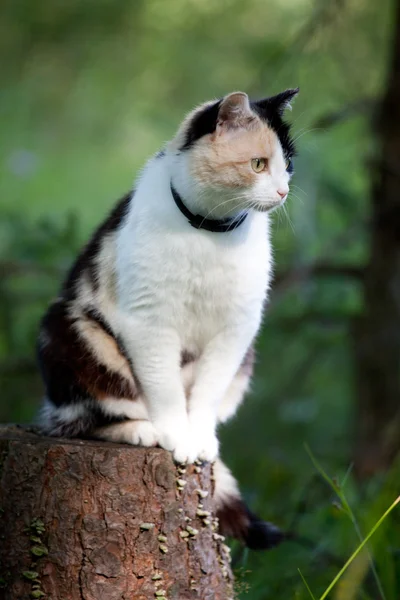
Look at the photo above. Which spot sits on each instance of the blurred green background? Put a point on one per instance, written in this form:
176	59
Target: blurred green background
89	91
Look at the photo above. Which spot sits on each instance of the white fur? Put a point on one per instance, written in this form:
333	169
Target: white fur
233	397
65	414
118	407
226	486
183	289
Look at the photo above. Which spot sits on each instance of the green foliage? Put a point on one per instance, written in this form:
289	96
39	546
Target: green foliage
358	563
90	90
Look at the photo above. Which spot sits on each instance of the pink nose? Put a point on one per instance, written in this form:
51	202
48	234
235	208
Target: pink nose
282	193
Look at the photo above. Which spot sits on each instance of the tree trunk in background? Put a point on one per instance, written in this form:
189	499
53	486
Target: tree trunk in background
377	335
83	520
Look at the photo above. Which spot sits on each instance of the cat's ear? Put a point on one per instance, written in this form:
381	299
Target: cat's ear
278	103
234	111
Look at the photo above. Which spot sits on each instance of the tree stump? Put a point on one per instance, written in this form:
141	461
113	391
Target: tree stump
87	520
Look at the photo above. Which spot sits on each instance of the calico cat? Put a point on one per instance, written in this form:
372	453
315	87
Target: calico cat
150	341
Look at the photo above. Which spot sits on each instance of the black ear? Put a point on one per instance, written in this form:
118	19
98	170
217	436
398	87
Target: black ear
202	123
231	111
277	104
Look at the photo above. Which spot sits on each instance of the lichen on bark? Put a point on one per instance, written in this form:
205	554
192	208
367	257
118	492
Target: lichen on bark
94	499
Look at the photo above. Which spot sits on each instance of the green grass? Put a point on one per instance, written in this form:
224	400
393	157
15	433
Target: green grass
339	490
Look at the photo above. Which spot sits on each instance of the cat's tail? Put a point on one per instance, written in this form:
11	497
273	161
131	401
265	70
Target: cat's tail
236	519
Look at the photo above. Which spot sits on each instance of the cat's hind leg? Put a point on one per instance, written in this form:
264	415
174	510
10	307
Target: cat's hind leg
240	384
88	376
138	433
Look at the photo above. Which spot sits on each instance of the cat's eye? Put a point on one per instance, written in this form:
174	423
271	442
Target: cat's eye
288	164
258	164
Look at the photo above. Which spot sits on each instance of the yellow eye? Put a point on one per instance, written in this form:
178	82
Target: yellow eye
258	164
288	164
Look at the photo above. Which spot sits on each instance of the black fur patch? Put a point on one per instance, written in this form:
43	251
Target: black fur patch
236	520
203	123
84	425
187	357
86	259
71	372
271	110
262	535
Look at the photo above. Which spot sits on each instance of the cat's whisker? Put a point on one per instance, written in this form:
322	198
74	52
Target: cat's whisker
250	205
293	194
293	185
299	132
229	200
240	206
288	217
294	121
242	199
305	132
279	217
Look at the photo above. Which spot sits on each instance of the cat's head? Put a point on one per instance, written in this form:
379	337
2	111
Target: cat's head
238	148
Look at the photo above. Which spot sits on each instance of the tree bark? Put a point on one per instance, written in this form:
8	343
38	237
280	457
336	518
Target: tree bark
87	520
377	334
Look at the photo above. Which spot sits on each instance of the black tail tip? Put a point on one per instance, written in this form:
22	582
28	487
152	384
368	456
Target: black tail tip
237	521
262	535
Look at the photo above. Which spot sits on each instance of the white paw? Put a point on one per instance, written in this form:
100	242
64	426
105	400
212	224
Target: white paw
174	436
143	433
209	448
204	440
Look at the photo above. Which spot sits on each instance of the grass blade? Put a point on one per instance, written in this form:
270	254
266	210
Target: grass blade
321	471
337	488
350	585
360	547
306	584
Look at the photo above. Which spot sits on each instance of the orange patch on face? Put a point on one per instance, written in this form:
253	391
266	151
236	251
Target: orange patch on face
224	157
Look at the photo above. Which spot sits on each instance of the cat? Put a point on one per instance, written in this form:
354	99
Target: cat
150	341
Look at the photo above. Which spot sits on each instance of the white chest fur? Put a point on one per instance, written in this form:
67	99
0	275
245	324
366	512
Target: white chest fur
196	282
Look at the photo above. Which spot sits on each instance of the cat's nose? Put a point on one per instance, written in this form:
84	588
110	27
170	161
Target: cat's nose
282	192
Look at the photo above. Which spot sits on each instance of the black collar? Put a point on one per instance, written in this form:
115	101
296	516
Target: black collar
199	222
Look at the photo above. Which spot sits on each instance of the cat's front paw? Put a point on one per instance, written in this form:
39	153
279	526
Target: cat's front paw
204	440
174	436
209	447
